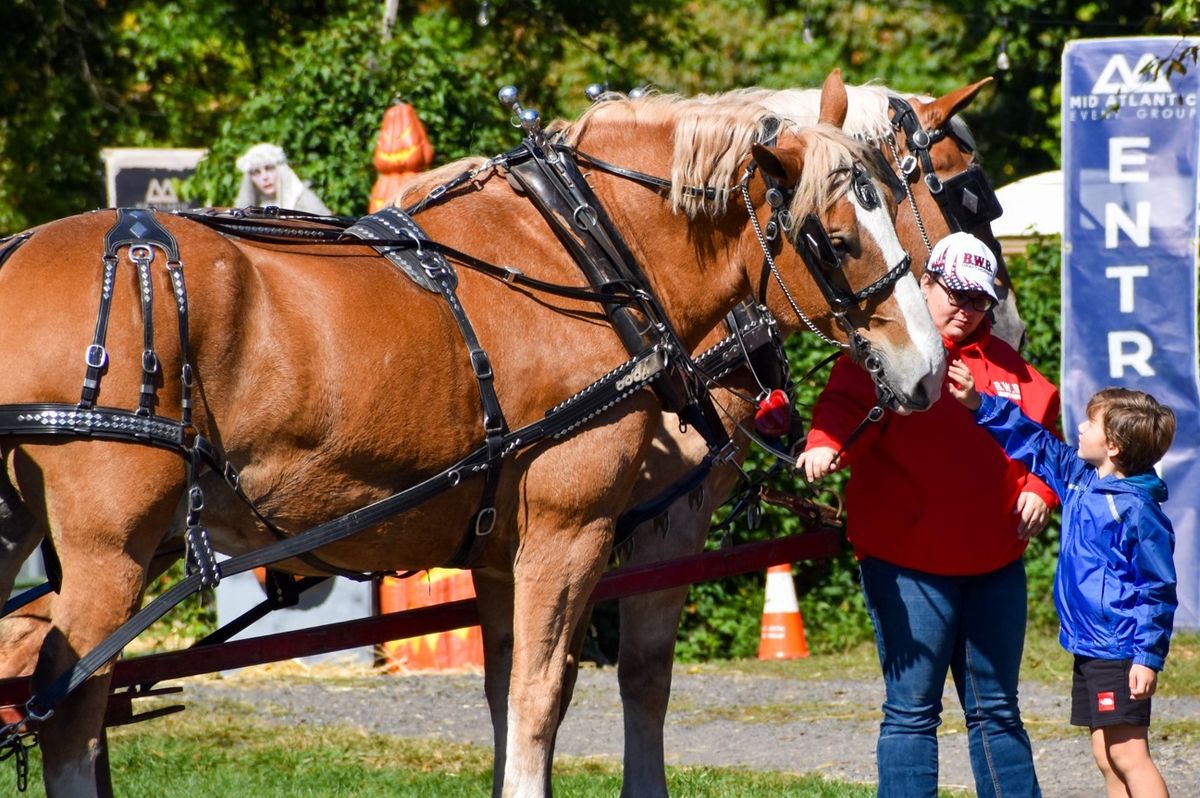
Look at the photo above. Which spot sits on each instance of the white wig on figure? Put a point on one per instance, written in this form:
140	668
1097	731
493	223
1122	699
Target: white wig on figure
290	190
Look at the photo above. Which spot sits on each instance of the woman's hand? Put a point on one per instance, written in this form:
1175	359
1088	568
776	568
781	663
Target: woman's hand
962	385
817	462
1034	514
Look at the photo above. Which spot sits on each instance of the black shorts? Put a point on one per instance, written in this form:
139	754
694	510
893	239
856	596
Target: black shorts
1100	695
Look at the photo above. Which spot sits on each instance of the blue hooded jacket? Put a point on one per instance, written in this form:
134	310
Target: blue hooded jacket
1115	582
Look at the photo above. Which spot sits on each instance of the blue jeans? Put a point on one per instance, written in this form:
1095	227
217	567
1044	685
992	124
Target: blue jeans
973	626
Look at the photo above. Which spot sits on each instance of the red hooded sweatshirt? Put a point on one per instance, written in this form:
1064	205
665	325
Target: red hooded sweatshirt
932	491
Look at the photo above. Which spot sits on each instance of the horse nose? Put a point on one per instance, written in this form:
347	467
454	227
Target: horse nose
920	399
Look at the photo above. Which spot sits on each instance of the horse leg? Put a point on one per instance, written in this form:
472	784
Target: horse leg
649	624
107	507
19	535
22	630
552	586
494	599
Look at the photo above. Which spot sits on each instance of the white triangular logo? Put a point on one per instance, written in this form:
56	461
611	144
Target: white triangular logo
161	192
1117	77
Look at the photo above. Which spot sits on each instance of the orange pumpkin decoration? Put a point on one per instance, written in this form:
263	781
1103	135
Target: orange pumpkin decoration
402	150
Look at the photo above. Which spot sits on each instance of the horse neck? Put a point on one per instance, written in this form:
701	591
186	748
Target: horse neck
694	266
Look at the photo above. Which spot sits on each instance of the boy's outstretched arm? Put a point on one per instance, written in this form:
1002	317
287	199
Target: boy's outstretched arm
1031	506
1022	438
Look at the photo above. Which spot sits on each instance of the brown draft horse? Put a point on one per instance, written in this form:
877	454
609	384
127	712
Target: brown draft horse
331	381
648	622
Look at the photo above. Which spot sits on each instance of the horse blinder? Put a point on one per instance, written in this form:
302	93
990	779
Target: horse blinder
971	200
817	247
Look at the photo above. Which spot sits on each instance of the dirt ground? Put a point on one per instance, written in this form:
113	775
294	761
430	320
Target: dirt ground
722	719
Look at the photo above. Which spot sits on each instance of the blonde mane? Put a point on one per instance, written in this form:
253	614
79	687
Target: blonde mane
712	139
829	155
866	117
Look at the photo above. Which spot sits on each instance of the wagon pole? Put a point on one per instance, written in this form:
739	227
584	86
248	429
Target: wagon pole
139	674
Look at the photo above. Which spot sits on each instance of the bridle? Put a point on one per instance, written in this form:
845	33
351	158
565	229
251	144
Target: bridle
813	244
967	200
811	241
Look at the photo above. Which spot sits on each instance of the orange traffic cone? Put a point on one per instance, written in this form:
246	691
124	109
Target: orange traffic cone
782	626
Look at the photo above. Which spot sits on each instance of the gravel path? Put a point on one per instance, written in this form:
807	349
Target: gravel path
769	723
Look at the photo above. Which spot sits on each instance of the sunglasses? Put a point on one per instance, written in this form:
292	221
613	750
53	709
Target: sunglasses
961	299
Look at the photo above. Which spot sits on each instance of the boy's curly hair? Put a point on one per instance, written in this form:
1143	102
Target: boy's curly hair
1137	424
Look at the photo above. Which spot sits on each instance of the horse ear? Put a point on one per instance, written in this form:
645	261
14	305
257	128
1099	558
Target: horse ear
782	165
834	102
936	113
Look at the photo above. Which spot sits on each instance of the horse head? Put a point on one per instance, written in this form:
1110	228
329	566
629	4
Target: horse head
842	272
933	166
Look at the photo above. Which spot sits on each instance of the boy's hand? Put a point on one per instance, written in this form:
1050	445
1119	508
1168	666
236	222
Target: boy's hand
1142	681
817	462
962	385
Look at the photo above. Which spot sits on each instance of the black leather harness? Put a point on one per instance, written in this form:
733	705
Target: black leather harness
563	197
966	199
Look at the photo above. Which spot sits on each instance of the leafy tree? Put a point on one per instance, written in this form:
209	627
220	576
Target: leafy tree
326	116
83	74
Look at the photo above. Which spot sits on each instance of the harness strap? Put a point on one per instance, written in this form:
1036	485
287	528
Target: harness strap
617	293
634	517
142	256
179	288
562	195
10	245
96	357
613	387
27	597
430	270
282	591
138	229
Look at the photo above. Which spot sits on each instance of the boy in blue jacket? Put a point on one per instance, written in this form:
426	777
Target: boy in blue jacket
1115	582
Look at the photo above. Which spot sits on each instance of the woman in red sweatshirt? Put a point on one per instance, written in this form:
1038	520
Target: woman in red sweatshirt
939	517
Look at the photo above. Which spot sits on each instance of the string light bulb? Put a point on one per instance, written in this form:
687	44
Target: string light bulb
1003	62
484	17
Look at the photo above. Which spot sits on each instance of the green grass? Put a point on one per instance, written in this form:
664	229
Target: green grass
227	750
224	752
1047	663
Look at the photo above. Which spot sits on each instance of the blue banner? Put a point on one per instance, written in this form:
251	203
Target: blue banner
1130	145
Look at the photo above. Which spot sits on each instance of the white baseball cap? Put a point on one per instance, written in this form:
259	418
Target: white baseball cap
964	263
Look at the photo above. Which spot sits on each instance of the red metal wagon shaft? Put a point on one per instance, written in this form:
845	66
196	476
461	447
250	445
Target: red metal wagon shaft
444	617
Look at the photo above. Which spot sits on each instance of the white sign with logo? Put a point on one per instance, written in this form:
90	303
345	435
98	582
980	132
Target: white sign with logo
148	178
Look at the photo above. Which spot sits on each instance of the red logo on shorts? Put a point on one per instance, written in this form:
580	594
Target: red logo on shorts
1106	702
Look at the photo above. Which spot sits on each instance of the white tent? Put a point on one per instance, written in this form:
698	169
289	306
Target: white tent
1032	206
